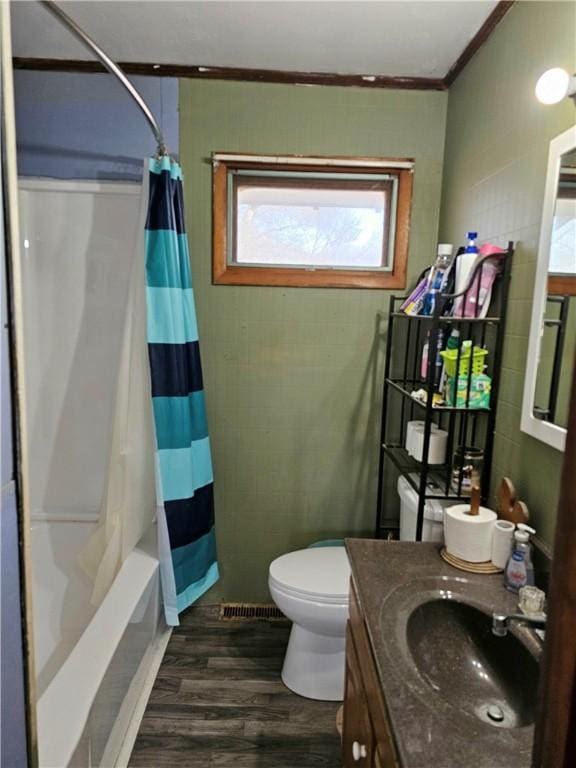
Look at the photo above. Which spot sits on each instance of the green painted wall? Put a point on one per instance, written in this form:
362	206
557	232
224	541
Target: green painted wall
496	154
293	376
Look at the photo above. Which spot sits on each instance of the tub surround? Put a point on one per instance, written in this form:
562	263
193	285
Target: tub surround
390	579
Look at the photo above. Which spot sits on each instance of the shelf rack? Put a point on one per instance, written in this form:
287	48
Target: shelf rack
470	427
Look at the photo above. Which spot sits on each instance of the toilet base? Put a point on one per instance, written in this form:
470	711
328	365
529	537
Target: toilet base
314	665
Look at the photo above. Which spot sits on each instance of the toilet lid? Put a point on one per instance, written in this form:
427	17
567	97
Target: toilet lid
320	571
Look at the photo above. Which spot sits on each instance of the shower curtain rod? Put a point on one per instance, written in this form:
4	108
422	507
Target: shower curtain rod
111	66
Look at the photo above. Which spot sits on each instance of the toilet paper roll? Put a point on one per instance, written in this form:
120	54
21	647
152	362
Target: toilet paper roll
502	542
436	447
469	537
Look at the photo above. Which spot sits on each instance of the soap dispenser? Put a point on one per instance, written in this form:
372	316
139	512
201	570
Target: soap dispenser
520	571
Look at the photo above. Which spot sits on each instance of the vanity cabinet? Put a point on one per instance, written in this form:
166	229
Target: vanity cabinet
366	736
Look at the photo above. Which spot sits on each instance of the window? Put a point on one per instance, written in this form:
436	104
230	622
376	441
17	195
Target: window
311	222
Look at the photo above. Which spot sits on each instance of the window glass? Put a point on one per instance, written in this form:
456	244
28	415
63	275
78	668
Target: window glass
310	224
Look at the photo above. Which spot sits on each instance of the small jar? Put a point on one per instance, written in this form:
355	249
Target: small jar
466	463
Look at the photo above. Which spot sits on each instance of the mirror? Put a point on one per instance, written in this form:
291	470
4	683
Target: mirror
552	342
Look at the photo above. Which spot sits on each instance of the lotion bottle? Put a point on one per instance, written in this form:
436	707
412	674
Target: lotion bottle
520	571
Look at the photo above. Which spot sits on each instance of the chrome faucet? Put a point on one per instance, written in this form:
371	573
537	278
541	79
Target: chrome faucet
500	622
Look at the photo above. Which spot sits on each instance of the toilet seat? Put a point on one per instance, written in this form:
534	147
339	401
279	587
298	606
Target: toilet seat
307	596
320	574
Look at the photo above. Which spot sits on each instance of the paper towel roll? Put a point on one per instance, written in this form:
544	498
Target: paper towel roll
436	447
502	542
469	537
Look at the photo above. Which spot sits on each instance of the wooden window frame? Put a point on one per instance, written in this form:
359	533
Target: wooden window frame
562	285
225	273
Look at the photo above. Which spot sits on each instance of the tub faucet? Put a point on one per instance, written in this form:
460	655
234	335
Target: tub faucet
500	622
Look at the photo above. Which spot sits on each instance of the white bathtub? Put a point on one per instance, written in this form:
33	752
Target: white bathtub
91	663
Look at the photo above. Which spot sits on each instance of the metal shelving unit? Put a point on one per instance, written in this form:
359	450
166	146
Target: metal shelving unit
470	427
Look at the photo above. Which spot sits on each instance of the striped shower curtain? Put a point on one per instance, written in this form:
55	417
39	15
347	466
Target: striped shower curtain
184	483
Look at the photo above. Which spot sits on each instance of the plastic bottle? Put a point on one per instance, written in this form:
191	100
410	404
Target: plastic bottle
465	262
424	361
439	362
453	342
438	277
519	570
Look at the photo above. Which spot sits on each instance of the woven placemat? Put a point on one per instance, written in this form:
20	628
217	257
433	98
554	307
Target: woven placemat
464	565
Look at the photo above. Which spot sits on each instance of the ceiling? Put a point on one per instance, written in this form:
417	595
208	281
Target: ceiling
410	38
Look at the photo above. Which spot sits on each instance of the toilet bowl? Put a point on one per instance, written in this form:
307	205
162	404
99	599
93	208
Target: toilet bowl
310	587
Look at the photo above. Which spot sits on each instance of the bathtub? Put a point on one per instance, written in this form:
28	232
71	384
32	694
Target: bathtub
92	664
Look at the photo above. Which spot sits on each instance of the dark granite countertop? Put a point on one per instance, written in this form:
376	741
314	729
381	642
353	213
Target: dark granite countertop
391	579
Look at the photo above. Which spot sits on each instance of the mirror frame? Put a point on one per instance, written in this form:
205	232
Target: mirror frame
549	433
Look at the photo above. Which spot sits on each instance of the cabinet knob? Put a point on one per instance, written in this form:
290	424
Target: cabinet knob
358	751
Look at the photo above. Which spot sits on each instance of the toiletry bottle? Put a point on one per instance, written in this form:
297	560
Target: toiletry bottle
424	361
438	277
464	264
439	362
520	571
452	343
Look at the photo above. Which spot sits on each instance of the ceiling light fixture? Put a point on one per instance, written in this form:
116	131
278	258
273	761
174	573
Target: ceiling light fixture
554	85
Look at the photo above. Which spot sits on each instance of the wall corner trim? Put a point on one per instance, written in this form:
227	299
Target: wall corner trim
478	40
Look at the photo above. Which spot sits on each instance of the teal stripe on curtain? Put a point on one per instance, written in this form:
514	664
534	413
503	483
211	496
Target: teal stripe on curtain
186	560
189	564
166	269
180	420
185	469
173	320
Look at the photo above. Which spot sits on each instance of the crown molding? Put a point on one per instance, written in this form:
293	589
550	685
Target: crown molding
281	76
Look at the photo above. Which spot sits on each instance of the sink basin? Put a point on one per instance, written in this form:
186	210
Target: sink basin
455	652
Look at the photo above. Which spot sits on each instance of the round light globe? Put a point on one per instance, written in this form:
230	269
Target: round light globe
552	86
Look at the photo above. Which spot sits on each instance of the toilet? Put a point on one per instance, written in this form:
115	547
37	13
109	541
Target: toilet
310	587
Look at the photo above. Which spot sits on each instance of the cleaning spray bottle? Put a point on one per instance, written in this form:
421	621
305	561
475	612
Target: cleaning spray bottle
520	571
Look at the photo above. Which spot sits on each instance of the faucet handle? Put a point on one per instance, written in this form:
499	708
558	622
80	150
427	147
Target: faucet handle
532	601
499	624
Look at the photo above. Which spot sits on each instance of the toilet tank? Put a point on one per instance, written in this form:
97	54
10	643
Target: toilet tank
433	528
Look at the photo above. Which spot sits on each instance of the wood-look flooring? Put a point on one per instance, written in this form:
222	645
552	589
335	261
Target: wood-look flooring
218	701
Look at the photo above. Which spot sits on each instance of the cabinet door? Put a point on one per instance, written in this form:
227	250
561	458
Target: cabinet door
358	737
381	762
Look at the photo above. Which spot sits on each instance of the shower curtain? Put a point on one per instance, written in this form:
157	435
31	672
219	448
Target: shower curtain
184	483
128	507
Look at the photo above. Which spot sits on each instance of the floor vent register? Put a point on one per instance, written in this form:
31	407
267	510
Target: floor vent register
240	611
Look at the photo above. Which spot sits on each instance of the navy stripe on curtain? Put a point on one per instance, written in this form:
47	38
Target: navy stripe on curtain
183	458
